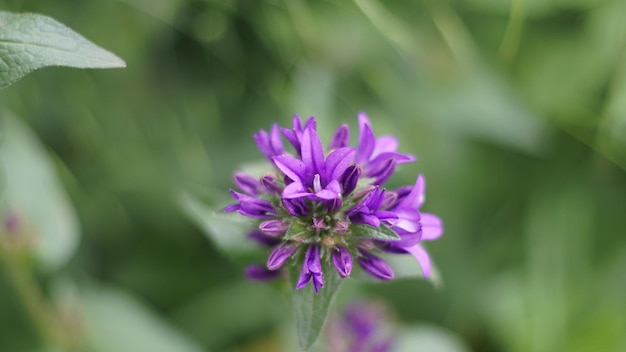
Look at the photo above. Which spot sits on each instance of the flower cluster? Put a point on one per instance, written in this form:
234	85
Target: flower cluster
328	207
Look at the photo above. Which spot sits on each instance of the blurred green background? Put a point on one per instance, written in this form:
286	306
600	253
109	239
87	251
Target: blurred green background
515	109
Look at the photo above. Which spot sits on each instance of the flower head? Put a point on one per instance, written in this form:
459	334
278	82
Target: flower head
319	206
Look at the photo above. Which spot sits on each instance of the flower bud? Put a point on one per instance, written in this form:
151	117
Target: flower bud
259	273
350	178
248	184
375	266
274	228
342	261
279	256
270	185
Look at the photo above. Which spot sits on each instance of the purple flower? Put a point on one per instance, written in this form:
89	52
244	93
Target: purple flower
332	206
363	327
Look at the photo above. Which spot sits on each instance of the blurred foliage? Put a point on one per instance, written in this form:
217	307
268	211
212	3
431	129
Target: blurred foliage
516	110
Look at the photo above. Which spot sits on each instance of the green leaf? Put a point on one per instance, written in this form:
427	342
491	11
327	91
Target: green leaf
226	230
429	338
117	321
35	193
30	41
238	309
379	233
311	309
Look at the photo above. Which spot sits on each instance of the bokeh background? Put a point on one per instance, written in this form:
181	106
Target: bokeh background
515	109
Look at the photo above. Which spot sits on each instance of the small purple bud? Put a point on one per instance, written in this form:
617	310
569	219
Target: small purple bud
341	137
350	178
248	184
341	227
232	207
389	200
342	261
262	239
269	183
274	228
258	273
279	256
375	266
332	206
251	206
318	225
311	269
365	192
382	173
296	207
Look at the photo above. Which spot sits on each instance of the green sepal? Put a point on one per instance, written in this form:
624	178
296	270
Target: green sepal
378	233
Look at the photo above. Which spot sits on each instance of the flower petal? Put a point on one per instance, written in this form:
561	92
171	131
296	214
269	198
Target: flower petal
313	259
312	151
274	227
262	239
382	172
343	261
385	144
253	207
275	141
337	162
416	198
290	166
432	227
295	190
422	258
246	183
350	178
332	191
341	137
279	256
368	219
366	141
378	163
296	207
270	185
408	220
293	136
375	266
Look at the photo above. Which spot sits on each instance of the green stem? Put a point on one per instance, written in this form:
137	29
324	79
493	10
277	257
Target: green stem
43	317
